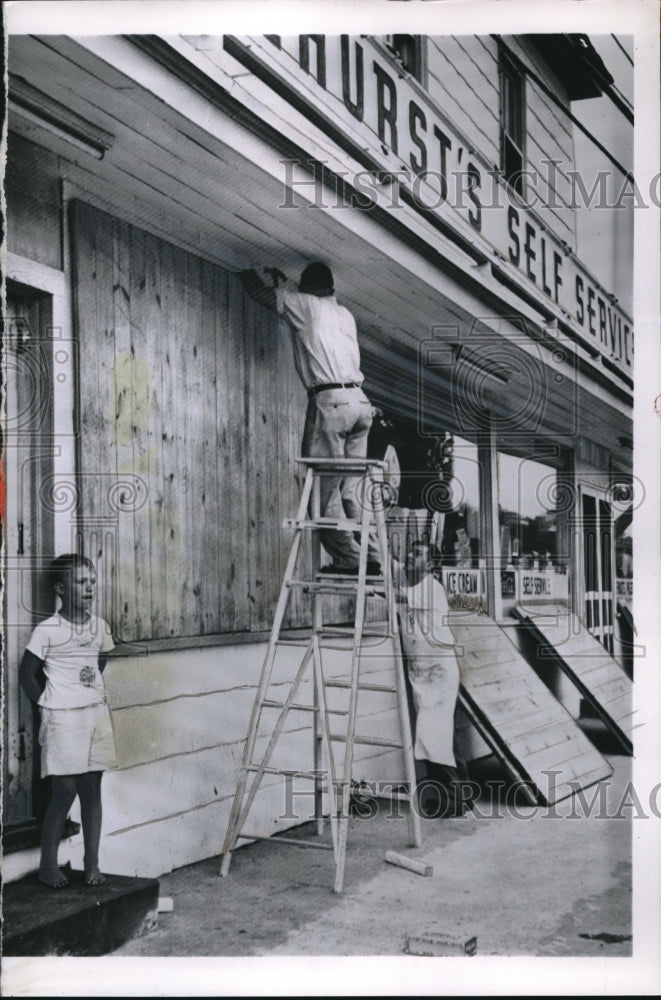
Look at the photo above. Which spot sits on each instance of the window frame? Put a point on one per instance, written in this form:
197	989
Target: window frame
511	73
419	70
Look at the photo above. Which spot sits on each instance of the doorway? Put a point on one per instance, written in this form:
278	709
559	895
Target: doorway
28	530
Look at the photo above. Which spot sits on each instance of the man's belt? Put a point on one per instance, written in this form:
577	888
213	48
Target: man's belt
332	385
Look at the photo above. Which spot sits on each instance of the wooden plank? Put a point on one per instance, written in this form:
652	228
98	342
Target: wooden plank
523	726
237	533
501	664
102	440
212	554
197	527
616	697
87	322
140	375
611	697
169	377
147	349
121	297
262	478
531	730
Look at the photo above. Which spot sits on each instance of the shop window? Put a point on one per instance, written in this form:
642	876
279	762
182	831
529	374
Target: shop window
512	123
460	545
410	51
534	564
435	498
624	559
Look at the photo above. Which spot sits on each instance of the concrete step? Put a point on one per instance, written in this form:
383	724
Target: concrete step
77	920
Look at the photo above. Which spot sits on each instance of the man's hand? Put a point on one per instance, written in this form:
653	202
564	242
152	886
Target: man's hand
249	277
277	276
256	288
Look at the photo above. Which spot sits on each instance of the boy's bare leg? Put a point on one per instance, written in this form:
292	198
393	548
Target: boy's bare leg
63	793
89	790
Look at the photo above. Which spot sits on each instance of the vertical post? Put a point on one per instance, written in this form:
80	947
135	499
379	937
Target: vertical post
489	527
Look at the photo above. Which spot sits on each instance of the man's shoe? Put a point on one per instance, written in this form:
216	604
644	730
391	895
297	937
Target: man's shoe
333	570
374	569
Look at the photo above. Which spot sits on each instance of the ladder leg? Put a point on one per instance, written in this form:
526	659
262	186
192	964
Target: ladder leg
317	625
234	824
415	832
343	792
325	740
259	773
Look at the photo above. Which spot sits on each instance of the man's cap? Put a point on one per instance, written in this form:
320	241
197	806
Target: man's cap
317	279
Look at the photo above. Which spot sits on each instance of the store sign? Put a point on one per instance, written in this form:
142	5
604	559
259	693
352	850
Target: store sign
539	585
467	582
373	109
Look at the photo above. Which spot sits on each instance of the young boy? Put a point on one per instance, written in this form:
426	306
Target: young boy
62	671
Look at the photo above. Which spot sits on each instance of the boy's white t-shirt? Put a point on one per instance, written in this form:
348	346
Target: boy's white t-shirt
70	652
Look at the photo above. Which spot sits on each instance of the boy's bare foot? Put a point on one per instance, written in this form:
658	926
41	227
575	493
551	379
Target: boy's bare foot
53	877
94	877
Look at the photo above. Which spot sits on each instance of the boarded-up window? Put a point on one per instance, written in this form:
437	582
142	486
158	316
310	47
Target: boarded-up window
189	421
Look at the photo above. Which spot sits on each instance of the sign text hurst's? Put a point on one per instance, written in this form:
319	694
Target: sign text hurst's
380	110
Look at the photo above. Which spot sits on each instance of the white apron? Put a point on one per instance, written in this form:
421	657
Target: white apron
428	647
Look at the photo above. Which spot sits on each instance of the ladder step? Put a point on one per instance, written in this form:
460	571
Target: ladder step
283	770
338	585
326	523
296	707
372	741
333	632
343	464
286	840
362	686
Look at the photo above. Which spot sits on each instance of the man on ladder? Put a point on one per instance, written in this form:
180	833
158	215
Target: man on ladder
338	420
339	414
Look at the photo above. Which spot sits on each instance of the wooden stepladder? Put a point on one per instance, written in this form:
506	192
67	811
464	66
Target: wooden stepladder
330	776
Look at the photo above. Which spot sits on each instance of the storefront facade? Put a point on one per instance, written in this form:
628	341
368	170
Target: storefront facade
156	411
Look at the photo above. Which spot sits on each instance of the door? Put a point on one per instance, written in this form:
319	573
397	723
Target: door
598	555
28	532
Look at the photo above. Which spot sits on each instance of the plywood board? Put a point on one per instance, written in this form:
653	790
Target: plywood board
562	638
530	731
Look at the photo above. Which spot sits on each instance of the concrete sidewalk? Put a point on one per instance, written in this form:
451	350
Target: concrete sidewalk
525	881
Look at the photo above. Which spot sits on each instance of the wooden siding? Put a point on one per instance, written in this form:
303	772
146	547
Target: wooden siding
188	425
549	136
180	721
532	730
463	79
